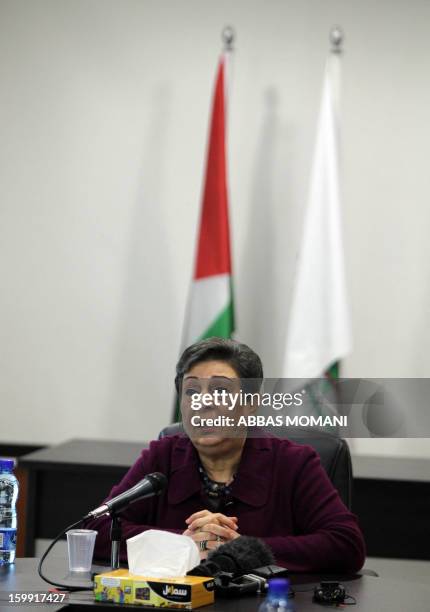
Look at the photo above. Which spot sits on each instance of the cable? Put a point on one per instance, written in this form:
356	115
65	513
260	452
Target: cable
48	550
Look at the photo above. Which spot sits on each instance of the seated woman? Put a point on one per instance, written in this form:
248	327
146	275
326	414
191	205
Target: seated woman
220	487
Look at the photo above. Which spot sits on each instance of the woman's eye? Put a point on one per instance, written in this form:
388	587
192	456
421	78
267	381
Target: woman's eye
190	392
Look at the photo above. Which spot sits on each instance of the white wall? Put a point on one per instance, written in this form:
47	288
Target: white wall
103	119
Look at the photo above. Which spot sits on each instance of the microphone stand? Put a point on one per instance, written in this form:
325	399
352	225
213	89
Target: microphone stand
115	535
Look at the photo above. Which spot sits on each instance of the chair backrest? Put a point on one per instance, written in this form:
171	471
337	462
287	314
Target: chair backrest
333	452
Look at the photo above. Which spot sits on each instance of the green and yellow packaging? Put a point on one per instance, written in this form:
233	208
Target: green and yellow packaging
185	593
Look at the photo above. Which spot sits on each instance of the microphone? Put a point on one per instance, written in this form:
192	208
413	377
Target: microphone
238	557
151	485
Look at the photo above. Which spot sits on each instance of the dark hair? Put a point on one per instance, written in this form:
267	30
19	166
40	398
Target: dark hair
242	358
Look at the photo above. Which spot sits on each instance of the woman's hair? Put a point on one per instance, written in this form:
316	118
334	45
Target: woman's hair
239	356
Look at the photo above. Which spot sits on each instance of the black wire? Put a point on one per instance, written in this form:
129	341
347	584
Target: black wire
48	550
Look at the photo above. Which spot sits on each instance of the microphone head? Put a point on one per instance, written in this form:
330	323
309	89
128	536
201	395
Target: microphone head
246	552
237	557
158	481
206	568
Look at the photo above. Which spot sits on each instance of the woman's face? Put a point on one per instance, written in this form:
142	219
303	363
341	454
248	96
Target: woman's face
216	379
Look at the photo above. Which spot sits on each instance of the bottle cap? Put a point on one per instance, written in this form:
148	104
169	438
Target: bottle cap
6	463
278	588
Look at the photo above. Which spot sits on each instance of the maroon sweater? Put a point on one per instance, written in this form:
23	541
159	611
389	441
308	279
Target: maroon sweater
281	494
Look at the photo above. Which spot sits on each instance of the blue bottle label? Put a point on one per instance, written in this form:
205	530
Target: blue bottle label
7	539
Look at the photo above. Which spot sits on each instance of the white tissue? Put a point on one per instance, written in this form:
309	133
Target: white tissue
161	554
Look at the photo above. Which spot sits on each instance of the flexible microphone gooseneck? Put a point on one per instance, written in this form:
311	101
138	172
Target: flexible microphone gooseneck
152	484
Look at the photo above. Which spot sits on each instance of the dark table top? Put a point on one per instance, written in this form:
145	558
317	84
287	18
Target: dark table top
415	469
100	455
105	455
372	594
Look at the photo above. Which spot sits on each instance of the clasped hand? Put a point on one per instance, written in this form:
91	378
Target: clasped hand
210	529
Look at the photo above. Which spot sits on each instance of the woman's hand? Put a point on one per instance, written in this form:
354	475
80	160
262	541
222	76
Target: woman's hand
212	529
199	519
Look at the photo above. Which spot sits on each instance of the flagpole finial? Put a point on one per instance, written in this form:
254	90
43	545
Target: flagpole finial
336	39
228	36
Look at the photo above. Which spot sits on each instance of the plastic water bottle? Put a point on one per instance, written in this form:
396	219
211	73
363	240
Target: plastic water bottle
8	496
277	597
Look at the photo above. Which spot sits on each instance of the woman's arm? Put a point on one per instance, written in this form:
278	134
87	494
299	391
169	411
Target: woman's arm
328	536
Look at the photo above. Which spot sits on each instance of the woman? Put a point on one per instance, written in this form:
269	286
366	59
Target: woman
223	486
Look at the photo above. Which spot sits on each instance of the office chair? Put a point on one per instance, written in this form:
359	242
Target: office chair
333	452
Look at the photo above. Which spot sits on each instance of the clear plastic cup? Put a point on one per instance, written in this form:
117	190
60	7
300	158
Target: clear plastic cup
80	543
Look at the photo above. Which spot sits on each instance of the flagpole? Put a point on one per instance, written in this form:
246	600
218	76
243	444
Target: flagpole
228	36
336	38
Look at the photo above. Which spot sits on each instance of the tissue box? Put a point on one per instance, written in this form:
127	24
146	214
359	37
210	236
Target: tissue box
187	592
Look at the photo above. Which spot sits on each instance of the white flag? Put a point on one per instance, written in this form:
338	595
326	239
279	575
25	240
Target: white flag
319	331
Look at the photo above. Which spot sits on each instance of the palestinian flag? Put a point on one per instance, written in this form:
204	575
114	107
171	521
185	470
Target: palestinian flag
210	309
210	305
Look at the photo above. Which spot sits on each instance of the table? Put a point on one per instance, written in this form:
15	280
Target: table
372	594
391	498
